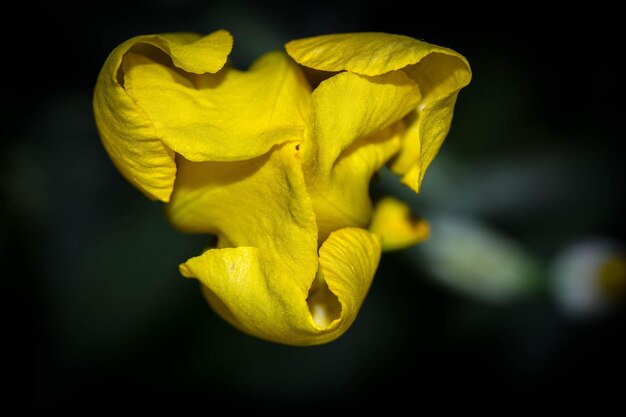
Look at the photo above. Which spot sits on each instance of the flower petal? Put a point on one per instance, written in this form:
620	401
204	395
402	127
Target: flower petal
348	106
257	202
368	53
194	54
393	221
258	297
267	282
440	77
348	262
261	212
351	138
343	200
232	116
127	132
439	72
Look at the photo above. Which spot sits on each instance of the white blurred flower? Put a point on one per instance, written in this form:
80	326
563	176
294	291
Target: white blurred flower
588	278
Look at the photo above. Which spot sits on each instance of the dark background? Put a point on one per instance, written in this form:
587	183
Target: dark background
97	311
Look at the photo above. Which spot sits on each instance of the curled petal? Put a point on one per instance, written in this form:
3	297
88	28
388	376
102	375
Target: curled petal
233	115
440	78
394	223
368	53
343	199
126	131
348	262
348	106
439	72
258	297
355	131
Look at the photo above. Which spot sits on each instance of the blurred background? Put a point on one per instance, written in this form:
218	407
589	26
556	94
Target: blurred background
523	281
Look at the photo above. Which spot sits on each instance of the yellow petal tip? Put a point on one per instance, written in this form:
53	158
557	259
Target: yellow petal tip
395	224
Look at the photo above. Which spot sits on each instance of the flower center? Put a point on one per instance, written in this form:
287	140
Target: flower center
612	278
323	304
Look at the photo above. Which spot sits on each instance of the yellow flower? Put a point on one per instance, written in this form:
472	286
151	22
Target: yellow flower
276	161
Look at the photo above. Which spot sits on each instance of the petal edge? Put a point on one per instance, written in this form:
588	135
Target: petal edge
127	133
